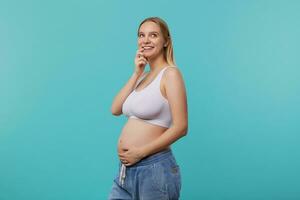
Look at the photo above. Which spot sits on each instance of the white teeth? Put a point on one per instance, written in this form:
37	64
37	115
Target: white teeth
148	47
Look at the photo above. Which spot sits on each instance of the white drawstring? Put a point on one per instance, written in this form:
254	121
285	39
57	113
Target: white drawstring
122	175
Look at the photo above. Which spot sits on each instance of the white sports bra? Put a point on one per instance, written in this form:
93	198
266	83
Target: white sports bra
148	104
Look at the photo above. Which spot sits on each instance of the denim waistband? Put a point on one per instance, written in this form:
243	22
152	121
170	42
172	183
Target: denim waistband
153	158
144	162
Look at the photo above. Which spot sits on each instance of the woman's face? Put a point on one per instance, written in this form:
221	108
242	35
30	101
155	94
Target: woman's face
150	39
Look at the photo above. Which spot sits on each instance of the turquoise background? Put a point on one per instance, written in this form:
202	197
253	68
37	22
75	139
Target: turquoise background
62	62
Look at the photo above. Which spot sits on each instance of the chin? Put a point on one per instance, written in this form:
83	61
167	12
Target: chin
150	56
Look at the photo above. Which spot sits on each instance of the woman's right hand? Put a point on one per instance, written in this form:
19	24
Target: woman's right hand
140	61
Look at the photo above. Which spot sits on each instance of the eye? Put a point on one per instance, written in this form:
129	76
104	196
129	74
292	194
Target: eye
152	35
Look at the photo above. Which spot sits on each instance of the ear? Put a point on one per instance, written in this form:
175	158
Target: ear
166	44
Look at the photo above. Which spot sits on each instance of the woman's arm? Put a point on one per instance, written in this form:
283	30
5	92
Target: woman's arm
140	63
116	108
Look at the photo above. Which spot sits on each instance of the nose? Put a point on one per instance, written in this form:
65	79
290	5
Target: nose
146	39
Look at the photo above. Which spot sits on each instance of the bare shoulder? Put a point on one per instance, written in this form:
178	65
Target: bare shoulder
172	80
173	73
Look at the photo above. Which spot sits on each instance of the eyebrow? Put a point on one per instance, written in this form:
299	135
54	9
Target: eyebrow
149	32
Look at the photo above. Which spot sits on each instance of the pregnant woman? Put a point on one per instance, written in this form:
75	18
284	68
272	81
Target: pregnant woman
156	106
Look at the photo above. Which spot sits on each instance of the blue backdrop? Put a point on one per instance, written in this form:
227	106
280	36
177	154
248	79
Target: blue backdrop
62	62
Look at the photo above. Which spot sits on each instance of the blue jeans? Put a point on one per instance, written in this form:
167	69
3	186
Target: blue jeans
156	177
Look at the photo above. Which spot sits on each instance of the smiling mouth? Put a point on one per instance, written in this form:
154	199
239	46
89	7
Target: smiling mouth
148	48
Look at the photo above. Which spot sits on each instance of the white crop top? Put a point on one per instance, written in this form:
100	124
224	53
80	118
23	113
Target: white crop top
148	104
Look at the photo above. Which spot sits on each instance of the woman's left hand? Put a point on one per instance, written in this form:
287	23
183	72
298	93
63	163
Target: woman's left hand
130	155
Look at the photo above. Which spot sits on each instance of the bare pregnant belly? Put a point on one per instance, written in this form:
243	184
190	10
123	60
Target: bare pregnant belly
138	133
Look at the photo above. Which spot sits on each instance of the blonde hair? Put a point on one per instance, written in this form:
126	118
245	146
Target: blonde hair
168	50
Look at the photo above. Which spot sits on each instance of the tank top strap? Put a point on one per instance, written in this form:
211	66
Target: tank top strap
140	79
162	72
159	76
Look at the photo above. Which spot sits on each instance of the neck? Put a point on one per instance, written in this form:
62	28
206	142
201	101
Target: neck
157	63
